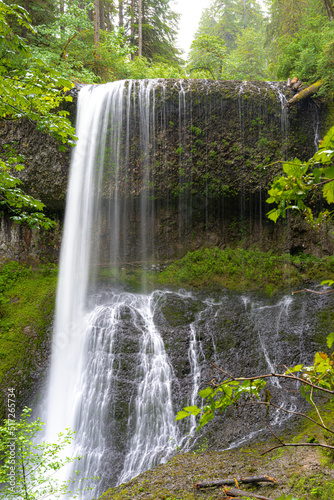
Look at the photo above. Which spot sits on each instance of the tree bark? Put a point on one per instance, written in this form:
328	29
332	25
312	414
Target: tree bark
140	34
61	12
312	89
109	10
120	13
102	21
330	9
245	480
96	23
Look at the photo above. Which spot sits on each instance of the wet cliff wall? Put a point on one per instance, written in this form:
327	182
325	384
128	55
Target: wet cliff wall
213	152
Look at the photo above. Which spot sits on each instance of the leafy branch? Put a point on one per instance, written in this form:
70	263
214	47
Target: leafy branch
301	179
236	391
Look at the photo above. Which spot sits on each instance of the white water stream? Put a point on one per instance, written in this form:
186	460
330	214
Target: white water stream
111	378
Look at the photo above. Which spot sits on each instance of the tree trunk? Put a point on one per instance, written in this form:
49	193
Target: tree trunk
102	21
96	24
61	12
109	10
231	482
120	13
140	34
330	9
132	26
312	89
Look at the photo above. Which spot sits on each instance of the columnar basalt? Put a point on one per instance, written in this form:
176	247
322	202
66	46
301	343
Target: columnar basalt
213	151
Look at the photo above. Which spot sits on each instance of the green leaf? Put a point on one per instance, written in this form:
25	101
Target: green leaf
328	192
294	369
274	214
193	410
205	392
330	340
182	414
293	167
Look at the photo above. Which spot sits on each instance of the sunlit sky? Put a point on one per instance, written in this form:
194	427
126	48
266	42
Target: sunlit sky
191	11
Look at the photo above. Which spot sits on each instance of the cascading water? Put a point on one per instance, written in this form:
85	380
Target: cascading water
124	363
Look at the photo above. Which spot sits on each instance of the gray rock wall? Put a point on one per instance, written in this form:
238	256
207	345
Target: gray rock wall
209	169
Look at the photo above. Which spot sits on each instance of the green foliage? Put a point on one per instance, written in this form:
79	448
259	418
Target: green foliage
68	44
240	269
219	396
27	467
218	399
207	55
32	91
300	42
159	30
248	61
312	487
292	191
141	68
229	43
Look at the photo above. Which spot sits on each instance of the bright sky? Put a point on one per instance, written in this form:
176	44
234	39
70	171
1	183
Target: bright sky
191	11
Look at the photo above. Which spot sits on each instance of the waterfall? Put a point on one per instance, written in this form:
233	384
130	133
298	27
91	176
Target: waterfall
124	360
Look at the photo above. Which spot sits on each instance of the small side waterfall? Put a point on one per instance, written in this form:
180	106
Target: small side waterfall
123	362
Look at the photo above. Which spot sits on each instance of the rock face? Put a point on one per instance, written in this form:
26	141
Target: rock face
245	334
212	156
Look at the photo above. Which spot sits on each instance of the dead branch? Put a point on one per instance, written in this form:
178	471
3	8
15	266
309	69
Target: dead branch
227	482
278	439
300	414
269	375
312	291
235	492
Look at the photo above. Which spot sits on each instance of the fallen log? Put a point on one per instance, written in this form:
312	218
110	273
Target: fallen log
312	89
297	85
232	482
235	492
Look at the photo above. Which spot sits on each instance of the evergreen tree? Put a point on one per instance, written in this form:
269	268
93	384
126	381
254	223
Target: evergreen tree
229	42
301	43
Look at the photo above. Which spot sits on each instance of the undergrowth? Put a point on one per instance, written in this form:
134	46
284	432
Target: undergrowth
26	310
239	269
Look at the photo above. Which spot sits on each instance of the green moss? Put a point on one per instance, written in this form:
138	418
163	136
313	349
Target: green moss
26	311
312	487
239	269
329	115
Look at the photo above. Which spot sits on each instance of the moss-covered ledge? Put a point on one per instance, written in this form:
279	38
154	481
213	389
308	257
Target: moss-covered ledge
26	313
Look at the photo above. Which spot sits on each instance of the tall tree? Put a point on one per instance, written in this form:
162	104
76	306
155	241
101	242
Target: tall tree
330	9
229	41
300	42
120	14
140	29
96	24
158	26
